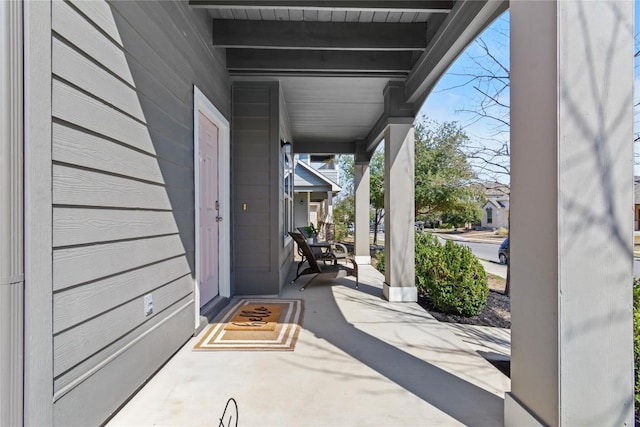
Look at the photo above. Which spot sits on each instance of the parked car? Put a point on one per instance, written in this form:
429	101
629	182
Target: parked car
503	252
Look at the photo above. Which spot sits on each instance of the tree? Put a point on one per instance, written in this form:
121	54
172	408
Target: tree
376	198
376	176
489	76
347	173
443	176
343	214
344	206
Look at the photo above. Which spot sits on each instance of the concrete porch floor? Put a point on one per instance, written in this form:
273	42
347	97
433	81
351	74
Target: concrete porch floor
359	361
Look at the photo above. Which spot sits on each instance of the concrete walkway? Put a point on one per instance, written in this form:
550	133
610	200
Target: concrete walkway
491	343
359	361
494	268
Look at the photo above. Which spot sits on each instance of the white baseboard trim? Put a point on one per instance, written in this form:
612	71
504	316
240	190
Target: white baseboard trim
400	293
517	415
363	259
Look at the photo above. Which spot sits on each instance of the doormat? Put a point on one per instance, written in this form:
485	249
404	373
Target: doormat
254	317
262	324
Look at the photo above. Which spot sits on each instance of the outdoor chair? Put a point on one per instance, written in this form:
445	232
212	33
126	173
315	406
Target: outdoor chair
314	265
308	234
323	251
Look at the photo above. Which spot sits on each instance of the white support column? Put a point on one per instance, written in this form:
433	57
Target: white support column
571	213
362	202
399	218
329	217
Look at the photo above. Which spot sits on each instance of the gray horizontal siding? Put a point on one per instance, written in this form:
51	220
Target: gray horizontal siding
77	265
122	181
76	344
120	376
74	106
331	174
73	186
80	148
81	303
305	178
260	121
77	226
255	133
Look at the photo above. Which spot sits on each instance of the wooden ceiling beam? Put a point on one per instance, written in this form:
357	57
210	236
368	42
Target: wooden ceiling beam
276	60
319	35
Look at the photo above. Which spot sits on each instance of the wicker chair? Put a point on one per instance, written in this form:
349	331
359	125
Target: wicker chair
314	265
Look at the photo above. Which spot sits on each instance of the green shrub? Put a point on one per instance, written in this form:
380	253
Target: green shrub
341	231
450	276
380	262
636	340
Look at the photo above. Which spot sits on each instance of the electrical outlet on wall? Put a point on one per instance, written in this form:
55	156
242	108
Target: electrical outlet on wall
148	305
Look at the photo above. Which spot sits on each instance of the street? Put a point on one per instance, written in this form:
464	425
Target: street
489	252
486	251
488	255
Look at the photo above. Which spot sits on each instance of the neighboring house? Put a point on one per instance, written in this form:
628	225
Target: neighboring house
314	188
495	213
145	171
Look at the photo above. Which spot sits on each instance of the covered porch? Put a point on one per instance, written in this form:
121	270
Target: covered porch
104	194
359	361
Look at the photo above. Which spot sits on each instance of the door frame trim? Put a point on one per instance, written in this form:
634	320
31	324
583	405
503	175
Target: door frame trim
201	104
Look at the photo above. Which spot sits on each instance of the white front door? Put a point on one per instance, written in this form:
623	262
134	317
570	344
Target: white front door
209	207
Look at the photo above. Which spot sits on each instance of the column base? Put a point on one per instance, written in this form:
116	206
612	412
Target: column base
363	259
400	293
517	415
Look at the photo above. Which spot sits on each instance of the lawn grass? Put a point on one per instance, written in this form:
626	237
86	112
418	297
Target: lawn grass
496	283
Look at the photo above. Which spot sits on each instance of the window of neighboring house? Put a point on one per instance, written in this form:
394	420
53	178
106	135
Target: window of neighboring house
489	215
287	198
323	162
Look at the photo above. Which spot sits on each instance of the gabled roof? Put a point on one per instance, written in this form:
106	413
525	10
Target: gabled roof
306	178
500	204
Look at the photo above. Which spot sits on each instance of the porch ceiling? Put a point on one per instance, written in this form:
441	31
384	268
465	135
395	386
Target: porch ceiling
333	58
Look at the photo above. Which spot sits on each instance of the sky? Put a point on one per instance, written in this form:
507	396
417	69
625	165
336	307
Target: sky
448	97
452	96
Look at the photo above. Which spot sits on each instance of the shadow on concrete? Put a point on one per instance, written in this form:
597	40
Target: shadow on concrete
460	399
